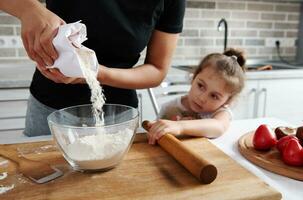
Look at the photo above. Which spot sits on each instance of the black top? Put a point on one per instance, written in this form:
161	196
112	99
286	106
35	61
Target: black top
117	30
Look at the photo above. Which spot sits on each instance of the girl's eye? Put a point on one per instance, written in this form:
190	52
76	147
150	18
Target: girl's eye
215	97
201	86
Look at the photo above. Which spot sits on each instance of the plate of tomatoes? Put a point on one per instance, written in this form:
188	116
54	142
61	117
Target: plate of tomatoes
278	150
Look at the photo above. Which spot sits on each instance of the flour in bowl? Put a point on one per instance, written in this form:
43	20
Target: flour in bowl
99	151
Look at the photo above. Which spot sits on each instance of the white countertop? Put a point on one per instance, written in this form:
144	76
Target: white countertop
290	188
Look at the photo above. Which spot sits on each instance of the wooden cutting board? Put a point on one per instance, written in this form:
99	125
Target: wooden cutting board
269	160
147	172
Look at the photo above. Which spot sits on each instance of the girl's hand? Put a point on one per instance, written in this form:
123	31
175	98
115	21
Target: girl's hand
56	76
162	127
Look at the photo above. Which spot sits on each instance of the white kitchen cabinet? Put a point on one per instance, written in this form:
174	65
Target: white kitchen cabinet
246	104
13	103
280	98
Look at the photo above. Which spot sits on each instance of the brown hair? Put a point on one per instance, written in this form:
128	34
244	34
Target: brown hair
230	65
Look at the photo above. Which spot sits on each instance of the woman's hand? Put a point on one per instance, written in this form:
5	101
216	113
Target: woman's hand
56	76
38	28
162	127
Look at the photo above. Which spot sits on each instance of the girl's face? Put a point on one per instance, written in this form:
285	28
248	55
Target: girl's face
208	91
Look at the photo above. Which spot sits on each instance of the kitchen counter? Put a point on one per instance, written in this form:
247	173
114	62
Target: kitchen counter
290	189
16	75
20	74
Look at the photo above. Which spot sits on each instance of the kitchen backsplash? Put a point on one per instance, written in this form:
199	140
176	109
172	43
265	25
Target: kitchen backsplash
252	25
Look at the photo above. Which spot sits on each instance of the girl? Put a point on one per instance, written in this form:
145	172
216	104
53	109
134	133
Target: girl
204	111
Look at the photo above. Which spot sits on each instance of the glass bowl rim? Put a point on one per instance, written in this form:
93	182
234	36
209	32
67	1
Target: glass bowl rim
91	127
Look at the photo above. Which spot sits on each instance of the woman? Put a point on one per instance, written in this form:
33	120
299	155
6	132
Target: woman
117	30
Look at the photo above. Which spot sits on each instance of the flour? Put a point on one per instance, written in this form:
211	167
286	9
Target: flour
97	97
3	175
99	151
4	189
104	149
4	162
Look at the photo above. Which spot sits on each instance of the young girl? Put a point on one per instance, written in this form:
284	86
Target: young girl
204	111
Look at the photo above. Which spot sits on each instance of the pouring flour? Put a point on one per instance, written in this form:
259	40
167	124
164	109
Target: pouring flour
76	60
99	149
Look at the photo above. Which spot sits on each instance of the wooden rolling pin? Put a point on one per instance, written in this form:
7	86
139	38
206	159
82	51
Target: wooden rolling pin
193	162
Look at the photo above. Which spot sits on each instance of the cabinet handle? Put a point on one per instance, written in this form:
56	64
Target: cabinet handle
255	111
264	90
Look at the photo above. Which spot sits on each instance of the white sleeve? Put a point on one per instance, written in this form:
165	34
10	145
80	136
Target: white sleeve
227	109
165	108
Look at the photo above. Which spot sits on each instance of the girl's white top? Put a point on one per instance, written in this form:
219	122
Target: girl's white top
174	110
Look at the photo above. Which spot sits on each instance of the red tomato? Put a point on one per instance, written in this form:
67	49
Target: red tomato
263	138
292	154
284	141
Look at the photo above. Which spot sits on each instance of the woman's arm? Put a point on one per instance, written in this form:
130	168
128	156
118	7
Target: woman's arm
158	56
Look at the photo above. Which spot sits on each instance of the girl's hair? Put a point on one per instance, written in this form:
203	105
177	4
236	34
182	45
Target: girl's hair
230	65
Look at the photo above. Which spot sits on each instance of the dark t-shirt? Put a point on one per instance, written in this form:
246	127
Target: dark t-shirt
117	30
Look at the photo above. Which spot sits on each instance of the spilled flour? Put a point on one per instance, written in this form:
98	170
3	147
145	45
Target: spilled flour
99	151
3	188
3	175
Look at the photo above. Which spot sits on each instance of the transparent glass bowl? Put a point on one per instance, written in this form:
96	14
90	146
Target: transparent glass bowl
88	147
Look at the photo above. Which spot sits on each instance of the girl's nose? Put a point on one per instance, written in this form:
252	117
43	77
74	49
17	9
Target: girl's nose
202	98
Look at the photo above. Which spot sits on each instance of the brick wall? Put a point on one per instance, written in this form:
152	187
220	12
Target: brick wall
253	26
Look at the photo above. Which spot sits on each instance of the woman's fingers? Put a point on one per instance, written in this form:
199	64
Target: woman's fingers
38	30
47	44
39	50
29	41
43	71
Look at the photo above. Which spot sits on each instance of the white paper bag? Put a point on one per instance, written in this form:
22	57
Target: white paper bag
72	54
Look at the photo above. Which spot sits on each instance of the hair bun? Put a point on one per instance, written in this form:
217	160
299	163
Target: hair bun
238	54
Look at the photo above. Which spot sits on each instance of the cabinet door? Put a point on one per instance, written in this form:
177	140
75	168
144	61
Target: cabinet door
13	103
282	99
245	105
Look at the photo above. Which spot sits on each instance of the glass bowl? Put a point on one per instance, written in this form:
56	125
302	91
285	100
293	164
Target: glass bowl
88	147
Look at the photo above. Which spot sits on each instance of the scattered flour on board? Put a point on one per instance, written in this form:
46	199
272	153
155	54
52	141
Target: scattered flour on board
99	151
3	162
3	175
3	188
